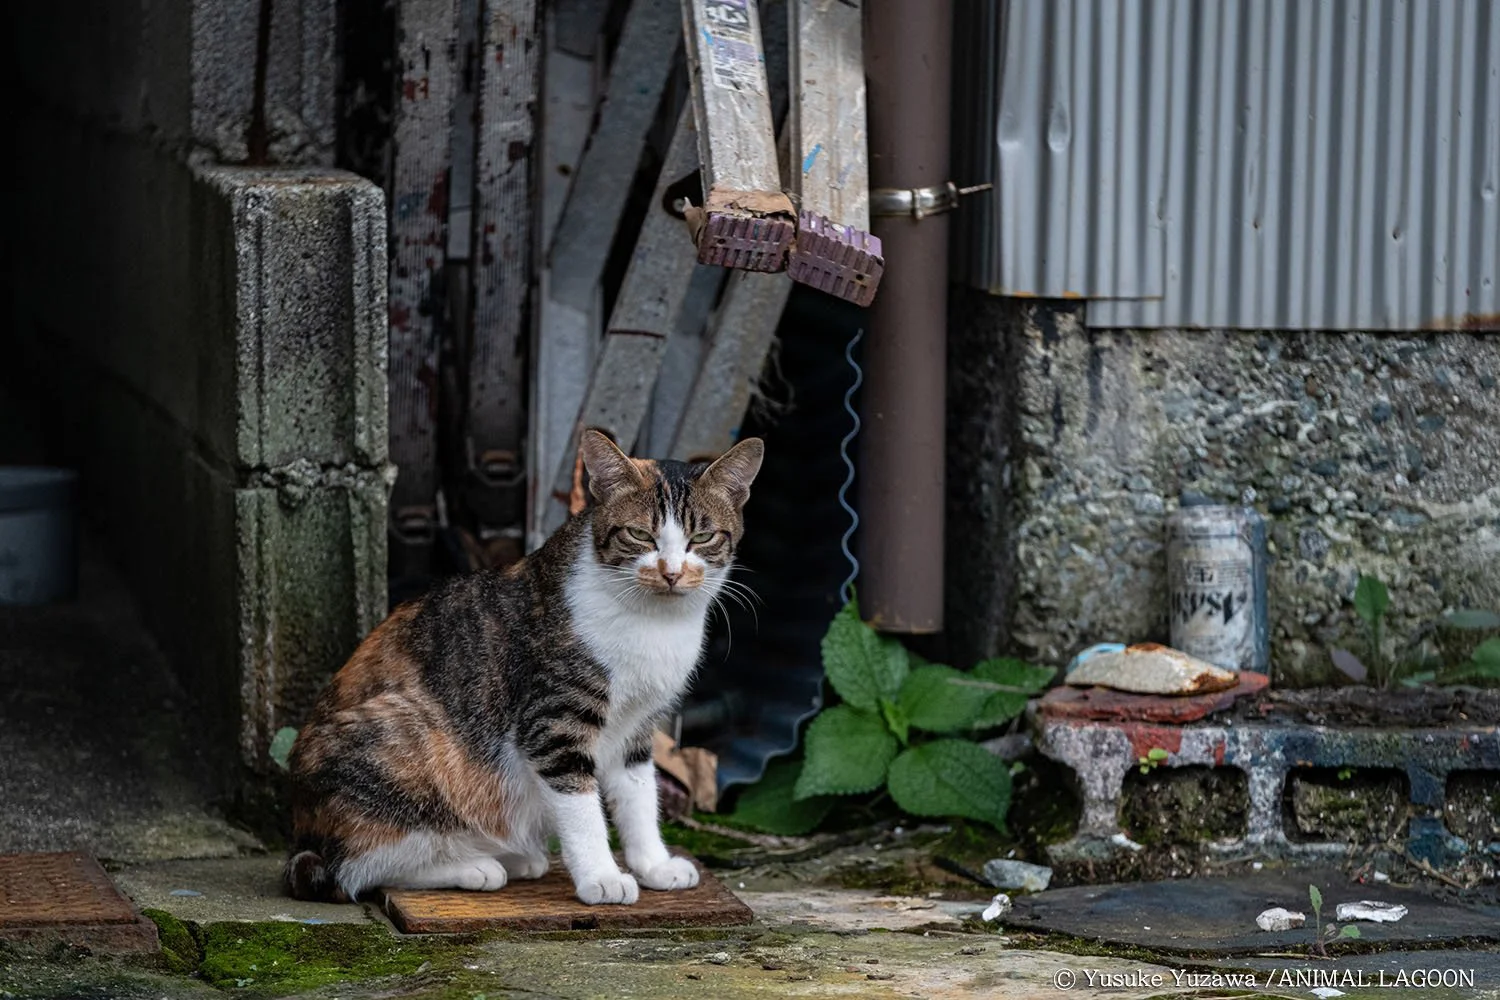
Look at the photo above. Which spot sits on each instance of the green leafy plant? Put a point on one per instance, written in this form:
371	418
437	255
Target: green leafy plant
1333	932
1152	759
1372	601
901	726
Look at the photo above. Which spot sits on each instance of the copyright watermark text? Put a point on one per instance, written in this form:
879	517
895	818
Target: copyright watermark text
1303	979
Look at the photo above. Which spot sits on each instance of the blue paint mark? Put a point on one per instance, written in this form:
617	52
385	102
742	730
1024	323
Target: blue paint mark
707	36
812	155
185	892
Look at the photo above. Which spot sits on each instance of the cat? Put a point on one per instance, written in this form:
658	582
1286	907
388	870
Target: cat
492	713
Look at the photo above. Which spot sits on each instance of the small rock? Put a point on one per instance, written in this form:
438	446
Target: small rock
1325	992
880	975
1380	412
694	975
797	977
1149	668
1324	467
1120	840
999	906
717	958
1382	877
1367	909
970	949
185	892
1279	918
1003	874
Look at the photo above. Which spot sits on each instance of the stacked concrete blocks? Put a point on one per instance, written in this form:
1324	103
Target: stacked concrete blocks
1103	753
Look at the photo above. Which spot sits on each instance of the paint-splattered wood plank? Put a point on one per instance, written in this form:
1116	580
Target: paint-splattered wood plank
746	221
834	250
501	263
427	78
548	904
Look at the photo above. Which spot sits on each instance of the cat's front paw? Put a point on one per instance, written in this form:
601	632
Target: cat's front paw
526	866
483	875
607	887
674	873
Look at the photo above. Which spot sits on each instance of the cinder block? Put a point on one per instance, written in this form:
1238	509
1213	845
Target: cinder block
293	262
182	73
300	80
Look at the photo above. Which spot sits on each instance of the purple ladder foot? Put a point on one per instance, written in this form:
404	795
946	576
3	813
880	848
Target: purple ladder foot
840	260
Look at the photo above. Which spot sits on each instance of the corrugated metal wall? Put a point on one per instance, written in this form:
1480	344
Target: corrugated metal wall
1238	163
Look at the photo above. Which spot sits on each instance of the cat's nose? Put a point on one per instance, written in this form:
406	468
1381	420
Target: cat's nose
667	574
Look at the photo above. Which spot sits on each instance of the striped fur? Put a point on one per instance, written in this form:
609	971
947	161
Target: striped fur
503	707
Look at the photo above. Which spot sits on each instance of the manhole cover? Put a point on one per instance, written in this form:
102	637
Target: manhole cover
548	904
68	897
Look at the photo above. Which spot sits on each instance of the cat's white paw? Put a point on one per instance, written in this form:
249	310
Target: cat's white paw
526	866
674	873
607	887
482	875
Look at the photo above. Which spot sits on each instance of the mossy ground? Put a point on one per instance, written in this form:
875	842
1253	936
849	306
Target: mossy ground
297	957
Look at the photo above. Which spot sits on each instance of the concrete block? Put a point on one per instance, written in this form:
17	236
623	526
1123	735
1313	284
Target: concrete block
293	263
1369	453
257	586
182	73
299	84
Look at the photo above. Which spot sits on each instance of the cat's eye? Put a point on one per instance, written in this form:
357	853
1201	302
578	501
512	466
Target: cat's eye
702	537
639	535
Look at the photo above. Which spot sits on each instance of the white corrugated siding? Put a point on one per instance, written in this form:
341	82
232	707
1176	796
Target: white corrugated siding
1240	163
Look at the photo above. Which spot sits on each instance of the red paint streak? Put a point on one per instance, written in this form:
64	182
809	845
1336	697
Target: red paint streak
401	317
1219	749
437	201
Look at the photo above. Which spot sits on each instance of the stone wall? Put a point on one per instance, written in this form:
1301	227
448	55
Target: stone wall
210	337
1368	453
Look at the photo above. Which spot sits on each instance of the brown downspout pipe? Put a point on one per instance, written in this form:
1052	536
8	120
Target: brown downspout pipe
908	47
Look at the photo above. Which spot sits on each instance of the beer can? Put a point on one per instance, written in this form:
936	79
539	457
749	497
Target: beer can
1216	574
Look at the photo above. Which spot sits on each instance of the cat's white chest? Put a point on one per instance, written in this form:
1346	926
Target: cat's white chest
649	648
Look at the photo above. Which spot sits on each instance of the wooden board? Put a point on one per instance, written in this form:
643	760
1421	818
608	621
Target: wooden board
834	250
68	897
747	220
740	334
501	263
645	313
421	140
548	904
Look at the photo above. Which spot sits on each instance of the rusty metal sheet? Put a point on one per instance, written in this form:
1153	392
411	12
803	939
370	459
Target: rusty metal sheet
548	904
68	897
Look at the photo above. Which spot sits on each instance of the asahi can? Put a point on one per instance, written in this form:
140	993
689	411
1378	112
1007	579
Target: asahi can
1216	571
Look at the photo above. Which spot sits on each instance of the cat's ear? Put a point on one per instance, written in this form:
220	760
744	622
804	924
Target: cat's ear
735	470
611	472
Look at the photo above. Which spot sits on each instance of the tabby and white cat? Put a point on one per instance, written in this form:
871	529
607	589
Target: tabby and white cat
476	722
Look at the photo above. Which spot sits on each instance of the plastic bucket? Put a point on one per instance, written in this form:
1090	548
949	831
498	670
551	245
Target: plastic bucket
38	535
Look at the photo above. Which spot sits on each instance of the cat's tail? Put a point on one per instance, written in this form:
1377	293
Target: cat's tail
308	878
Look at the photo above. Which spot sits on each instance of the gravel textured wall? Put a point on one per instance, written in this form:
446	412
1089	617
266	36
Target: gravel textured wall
1069	446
